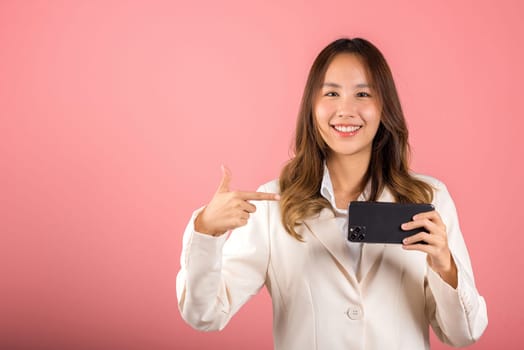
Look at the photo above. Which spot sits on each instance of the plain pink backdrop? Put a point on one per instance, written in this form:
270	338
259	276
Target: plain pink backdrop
116	115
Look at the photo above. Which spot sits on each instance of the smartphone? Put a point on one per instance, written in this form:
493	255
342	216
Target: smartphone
379	222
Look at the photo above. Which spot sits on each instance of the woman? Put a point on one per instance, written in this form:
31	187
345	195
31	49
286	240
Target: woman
327	293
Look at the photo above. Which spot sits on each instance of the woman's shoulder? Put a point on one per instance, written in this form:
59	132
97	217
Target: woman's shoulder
272	186
437	184
440	190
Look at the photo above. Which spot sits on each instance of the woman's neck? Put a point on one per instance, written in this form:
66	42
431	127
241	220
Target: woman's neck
348	176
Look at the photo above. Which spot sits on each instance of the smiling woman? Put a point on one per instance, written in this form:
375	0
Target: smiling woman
351	143
349	85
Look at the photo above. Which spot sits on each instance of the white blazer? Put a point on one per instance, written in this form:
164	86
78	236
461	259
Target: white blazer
319	302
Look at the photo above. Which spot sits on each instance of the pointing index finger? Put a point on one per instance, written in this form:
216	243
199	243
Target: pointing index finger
259	196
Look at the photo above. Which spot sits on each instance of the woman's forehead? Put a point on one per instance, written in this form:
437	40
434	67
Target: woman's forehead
346	68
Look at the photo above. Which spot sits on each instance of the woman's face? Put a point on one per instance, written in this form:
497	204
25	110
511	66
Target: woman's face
347	109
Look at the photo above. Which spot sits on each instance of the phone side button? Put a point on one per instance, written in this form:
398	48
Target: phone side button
354	312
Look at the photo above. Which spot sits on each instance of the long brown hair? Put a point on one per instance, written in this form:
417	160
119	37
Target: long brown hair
301	177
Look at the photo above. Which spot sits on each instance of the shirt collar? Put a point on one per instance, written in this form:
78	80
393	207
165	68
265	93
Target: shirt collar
326	188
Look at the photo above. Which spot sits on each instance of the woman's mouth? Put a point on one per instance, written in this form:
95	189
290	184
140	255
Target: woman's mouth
347	130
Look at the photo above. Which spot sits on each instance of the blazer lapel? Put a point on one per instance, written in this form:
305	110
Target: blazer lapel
325	229
371	256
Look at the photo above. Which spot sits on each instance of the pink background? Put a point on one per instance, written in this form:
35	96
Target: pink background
116	115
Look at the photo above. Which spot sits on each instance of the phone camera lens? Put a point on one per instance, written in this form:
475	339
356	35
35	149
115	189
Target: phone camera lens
356	233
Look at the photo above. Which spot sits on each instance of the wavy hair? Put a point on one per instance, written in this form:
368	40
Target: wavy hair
301	177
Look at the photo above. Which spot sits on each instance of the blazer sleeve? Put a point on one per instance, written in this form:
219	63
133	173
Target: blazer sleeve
458	316
219	274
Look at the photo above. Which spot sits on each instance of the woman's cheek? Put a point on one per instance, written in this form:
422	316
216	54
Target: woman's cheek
323	111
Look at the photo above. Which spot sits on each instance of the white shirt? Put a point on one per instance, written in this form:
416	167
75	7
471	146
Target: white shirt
341	217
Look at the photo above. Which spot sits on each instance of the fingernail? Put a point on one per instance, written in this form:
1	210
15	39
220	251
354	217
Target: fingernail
404	225
277	197
405	241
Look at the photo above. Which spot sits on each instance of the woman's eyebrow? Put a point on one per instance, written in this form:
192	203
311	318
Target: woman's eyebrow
338	86
362	85
333	85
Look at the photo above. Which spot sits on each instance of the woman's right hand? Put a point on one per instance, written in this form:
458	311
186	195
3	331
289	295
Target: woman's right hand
227	209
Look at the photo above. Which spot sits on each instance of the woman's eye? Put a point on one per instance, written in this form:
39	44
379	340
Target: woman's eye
331	94
363	94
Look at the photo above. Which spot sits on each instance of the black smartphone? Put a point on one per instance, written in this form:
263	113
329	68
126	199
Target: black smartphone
379	222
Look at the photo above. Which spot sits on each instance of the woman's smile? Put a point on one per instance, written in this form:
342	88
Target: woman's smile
346	130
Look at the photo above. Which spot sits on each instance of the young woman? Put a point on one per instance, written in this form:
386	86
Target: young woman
328	293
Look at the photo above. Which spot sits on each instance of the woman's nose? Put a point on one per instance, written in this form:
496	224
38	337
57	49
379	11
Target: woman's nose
347	107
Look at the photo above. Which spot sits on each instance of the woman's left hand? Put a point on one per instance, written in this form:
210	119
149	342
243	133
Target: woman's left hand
438	255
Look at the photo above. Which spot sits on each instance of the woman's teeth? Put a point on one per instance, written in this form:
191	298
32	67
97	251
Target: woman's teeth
342	128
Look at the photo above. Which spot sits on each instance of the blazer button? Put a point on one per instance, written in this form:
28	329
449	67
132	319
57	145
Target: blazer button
354	312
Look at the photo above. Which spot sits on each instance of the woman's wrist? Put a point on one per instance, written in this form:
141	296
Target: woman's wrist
449	275
200	226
